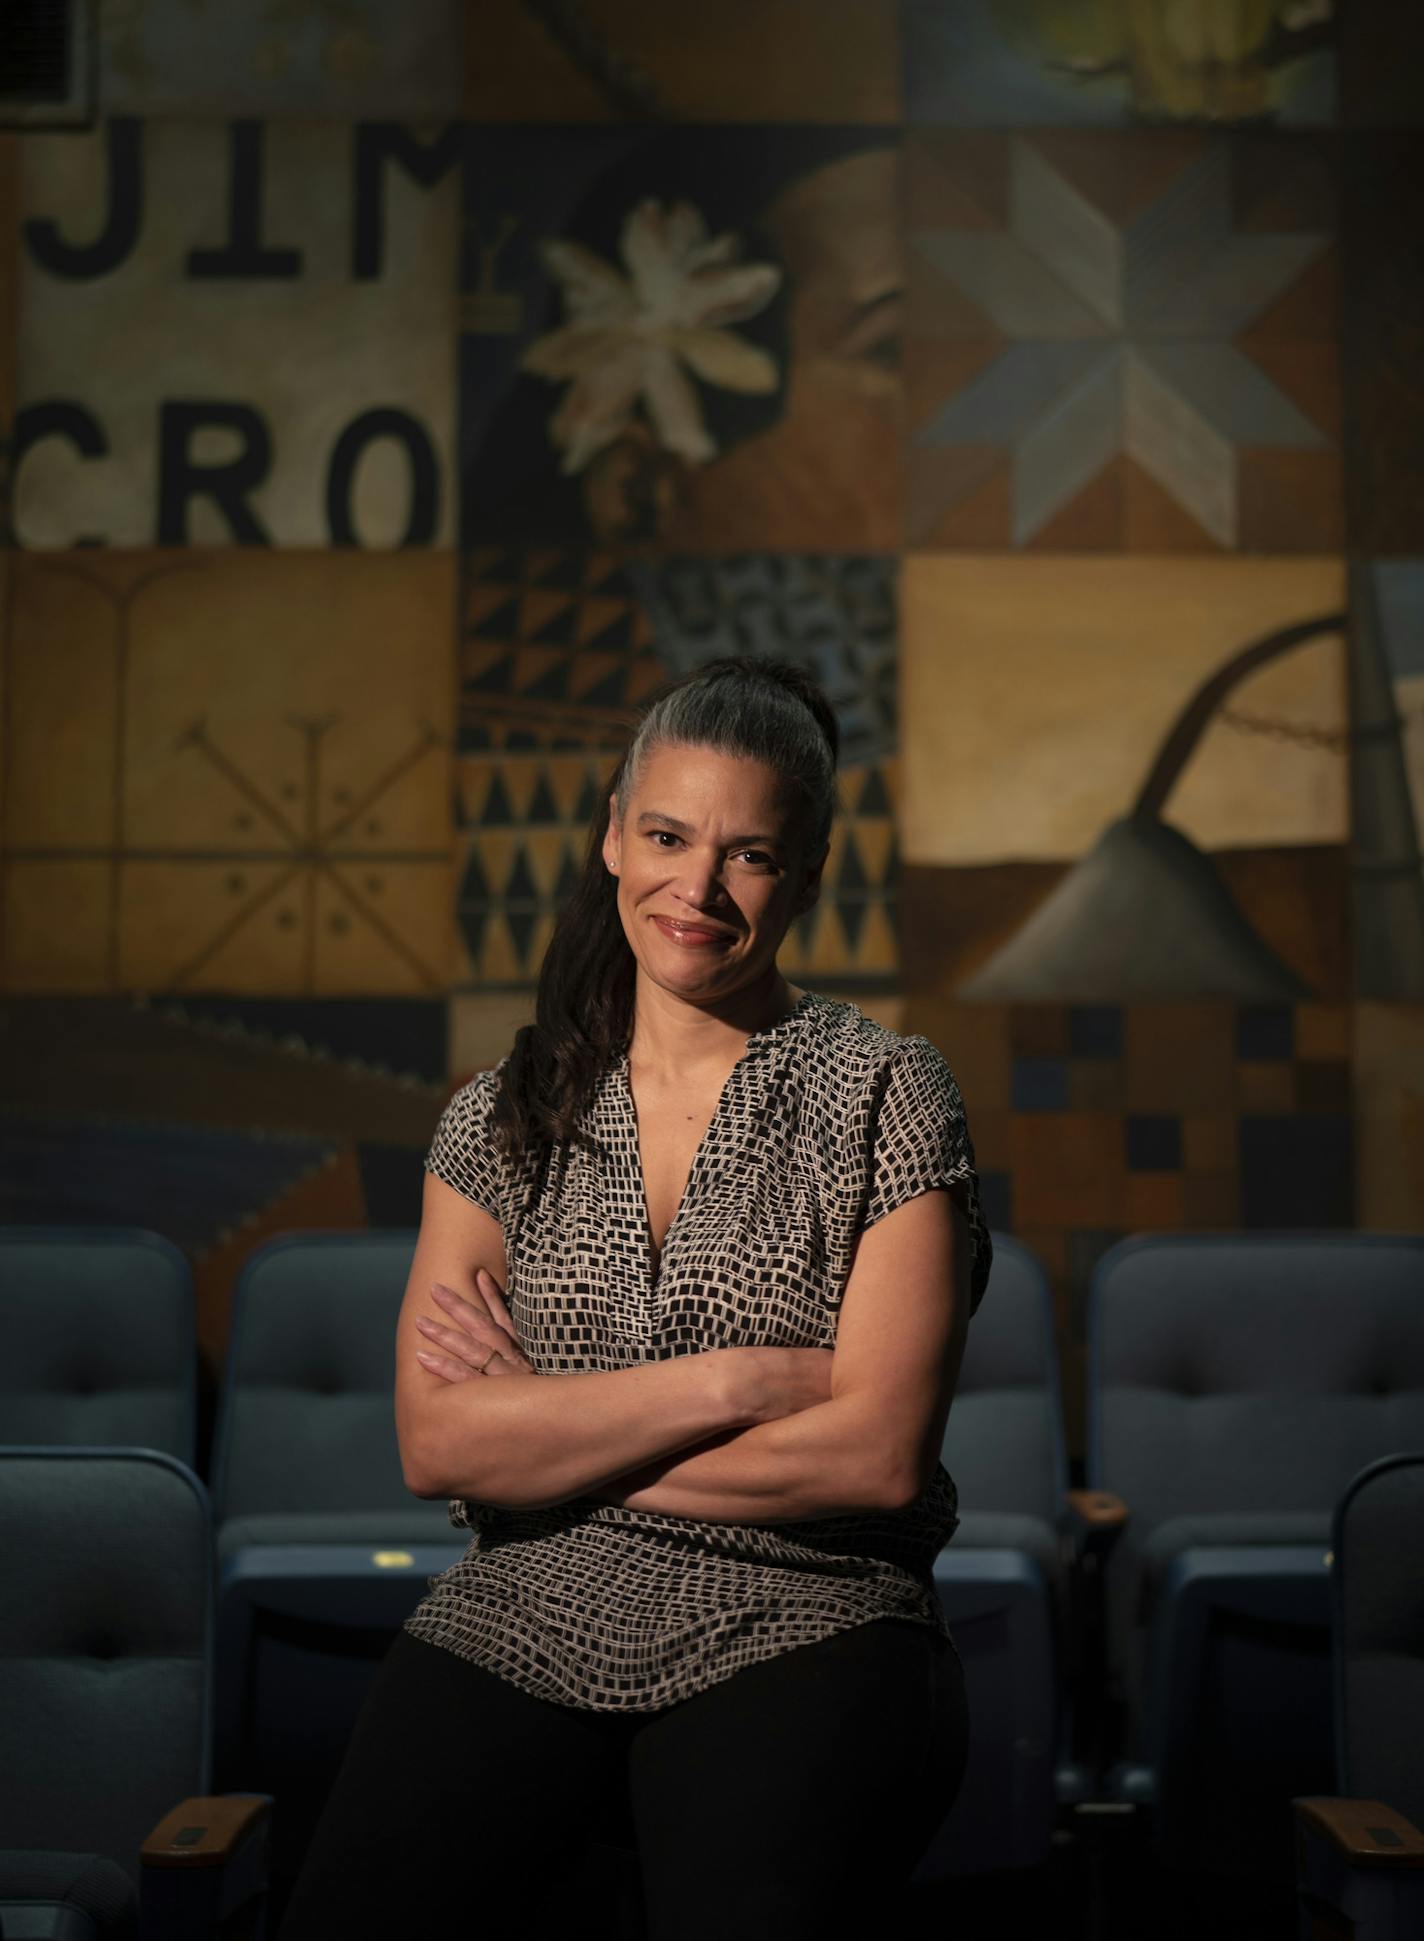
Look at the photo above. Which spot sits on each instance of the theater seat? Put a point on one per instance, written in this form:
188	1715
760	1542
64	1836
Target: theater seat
323	1552
1360	1853
110	1824
1236	1383
97	1340
1004	1580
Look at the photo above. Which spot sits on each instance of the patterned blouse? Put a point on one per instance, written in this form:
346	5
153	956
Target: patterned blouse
826	1123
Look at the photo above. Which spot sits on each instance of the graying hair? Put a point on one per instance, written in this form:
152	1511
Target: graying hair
751	714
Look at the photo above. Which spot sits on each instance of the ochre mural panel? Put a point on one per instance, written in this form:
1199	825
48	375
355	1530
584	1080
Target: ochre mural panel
742	60
1129	717
59	923
273	737
236	925
1036	693
62	674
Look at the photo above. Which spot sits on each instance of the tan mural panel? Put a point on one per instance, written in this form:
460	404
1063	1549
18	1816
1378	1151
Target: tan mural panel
1038	696
276	309
63	678
58	925
254	790
743	60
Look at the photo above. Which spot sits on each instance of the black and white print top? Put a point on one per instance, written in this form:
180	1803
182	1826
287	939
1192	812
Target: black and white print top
826	1123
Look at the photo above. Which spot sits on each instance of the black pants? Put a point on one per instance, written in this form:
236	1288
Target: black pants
791	1800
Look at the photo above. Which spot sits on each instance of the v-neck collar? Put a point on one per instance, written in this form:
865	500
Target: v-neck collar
757	1042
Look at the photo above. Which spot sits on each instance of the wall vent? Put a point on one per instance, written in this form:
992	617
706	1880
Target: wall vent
47	63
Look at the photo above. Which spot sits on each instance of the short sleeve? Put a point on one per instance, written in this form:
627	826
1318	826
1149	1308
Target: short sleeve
463	1154
920	1140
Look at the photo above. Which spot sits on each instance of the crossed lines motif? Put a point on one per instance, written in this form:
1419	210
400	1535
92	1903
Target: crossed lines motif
303	842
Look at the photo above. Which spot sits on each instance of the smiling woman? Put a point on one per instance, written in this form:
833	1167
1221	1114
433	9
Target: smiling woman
681	1336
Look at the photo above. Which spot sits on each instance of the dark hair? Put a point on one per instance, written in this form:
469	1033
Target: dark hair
766	710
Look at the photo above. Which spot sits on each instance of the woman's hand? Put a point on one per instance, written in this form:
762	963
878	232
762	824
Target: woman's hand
460	1346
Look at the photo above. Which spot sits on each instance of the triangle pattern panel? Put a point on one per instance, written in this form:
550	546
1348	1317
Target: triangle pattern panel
527	806
541	671
548	619
501	960
878	944
546	851
835	614
529	814
562	569
556	650
875	843
856	939
611	622
542	806
491	614
470	922
832	956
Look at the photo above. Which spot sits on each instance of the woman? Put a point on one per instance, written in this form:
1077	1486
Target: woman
690	1296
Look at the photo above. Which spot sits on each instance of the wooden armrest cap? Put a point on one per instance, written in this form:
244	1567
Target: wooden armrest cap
1366	1831
204	1832
1098	1507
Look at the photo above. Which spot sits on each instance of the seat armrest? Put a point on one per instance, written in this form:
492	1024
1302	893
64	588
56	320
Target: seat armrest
1090	1523
205	1832
1093	1520
1364	1832
1097	1506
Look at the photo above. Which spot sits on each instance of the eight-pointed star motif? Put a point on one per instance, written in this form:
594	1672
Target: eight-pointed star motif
628	337
1120	340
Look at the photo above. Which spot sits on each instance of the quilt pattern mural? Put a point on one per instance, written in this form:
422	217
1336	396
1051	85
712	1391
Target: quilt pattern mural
393	398
1121	341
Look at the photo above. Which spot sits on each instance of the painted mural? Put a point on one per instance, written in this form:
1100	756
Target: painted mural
393	397
268	816
1060	63
1122	341
274	303
682	338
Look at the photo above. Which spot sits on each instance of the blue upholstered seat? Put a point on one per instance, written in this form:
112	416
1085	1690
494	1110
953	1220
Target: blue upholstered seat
1236	1383
323	1551
97	1339
1361	1853
1003	1579
105	1705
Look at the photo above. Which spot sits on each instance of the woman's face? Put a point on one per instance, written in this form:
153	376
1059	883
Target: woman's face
712	868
